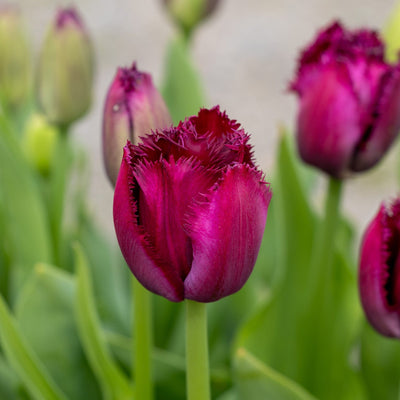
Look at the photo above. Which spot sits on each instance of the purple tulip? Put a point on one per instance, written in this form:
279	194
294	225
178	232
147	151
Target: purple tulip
349	101
133	108
190	208
379	271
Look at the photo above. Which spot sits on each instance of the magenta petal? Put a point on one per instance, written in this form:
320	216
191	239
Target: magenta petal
386	128
329	125
152	273
166	189
373	275
226	234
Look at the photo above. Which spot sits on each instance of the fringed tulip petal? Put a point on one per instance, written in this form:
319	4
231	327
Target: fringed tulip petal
226	232
349	111
149	269
379	271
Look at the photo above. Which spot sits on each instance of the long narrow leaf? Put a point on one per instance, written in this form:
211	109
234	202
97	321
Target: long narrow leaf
113	382
23	360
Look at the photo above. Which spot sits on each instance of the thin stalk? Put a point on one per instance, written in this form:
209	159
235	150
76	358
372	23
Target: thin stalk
197	367
142	342
61	169
324	243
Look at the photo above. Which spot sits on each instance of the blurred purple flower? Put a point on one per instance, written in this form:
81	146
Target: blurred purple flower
349	101
379	271
190	208
133	108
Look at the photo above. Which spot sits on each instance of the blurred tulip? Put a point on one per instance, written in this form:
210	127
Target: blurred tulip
349	101
391	35
65	71
39	142
189	13
190	208
15	58
379	271
133	108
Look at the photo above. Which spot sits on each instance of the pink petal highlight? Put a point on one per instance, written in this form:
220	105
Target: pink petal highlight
226	234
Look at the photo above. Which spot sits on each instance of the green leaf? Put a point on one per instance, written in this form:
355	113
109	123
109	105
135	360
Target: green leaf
45	313
110	275
181	89
380	364
25	218
24	361
114	384
309	343
256	381
10	385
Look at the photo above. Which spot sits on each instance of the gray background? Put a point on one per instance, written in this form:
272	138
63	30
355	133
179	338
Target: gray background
246	54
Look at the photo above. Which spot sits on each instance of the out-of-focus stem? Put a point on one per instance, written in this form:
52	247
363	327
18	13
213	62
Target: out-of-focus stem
197	367
142	342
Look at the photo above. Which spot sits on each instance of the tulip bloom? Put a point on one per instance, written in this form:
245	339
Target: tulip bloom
349	101
190	208
133	107
379	271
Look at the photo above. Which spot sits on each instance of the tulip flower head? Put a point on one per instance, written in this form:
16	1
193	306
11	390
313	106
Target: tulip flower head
379	271
133	107
349	112
190	208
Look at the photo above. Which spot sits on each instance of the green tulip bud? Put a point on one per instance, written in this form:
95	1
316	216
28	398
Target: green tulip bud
15	61
65	73
189	13
39	141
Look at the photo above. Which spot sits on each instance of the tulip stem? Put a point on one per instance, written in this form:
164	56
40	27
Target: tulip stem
322	256
142	342
197	368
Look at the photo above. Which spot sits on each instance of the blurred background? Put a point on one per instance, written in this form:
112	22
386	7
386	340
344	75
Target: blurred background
245	53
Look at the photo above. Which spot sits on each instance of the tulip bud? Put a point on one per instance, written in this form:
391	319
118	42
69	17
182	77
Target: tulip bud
65	71
133	108
189	13
15	61
39	142
392	35
379	271
349	111
190	208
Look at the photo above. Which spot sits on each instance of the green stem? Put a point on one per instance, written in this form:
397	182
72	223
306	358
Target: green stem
197	368
61	169
142	342
322	256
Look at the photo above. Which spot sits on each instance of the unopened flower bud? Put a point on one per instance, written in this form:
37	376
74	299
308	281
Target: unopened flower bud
132	109
65	73
15	60
39	142
189	13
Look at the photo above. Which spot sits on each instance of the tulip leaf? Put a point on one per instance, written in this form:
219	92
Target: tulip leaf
309	343
25	218
255	380
23	359
380	364
45	313
114	384
111	277
181	90
10	385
